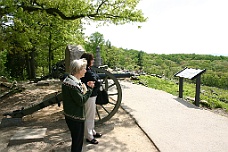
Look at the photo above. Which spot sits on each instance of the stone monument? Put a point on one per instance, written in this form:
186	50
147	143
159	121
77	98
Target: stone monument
72	52
98	57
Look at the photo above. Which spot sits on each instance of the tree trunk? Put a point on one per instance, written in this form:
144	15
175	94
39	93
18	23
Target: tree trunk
49	54
49	59
28	67
32	63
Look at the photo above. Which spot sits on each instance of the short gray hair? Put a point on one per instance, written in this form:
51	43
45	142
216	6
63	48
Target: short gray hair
77	65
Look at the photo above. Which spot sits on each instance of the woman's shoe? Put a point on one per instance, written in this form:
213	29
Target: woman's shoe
93	141
97	135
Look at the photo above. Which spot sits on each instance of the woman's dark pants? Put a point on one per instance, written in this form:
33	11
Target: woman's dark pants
77	134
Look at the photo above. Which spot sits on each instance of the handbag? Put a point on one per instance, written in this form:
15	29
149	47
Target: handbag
102	97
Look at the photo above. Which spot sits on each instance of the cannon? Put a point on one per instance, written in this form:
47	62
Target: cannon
103	112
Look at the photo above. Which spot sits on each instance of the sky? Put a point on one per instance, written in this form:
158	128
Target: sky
173	26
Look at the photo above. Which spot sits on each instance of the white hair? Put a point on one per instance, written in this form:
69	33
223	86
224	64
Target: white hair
77	65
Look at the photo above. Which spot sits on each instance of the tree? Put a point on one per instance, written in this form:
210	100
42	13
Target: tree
112	56
140	59
96	39
40	25
36	37
115	11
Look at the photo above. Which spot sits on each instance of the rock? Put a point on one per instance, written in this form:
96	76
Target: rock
42	84
3	79
28	135
134	78
8	122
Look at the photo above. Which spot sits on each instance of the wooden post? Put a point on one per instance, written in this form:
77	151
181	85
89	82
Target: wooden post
197	95
181	87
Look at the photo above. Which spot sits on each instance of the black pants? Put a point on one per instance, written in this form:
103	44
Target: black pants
77	134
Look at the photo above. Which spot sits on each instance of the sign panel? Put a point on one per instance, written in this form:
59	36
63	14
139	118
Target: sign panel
189	73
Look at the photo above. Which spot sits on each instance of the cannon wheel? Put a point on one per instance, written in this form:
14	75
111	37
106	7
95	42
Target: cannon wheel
112	86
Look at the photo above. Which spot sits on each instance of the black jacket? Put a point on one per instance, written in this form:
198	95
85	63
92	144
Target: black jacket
91	75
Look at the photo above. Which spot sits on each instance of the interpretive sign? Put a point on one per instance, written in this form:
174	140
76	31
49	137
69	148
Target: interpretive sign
191	74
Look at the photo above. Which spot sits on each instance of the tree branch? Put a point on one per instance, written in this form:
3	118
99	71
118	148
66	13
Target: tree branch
34	6
100	6
57	12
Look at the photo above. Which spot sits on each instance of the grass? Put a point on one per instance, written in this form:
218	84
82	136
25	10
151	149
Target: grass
213	97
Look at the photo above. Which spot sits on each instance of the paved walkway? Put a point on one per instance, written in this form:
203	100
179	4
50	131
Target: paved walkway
173	124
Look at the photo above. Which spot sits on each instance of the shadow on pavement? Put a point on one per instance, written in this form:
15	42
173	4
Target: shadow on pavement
185	103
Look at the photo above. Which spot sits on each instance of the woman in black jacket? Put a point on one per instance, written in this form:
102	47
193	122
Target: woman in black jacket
90	105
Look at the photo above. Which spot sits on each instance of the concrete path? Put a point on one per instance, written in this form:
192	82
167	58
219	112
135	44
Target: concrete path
173	124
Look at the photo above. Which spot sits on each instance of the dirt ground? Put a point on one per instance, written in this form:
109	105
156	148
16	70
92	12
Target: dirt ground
120	133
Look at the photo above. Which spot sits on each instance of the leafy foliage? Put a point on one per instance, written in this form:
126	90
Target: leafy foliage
3	59
38	31
167	65
95	40
114	11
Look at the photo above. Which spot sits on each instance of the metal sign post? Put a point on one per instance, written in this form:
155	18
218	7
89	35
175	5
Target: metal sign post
181	80
197	95
191	74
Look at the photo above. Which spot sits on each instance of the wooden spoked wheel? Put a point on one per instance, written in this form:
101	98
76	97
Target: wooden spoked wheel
113	88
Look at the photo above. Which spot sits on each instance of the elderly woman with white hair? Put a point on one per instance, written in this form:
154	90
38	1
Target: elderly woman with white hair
75	94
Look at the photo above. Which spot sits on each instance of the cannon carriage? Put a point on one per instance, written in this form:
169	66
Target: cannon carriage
108	80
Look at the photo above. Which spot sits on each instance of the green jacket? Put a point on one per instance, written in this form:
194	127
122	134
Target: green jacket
74	99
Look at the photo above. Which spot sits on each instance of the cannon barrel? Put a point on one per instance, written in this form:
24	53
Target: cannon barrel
58	71
55	98
116	75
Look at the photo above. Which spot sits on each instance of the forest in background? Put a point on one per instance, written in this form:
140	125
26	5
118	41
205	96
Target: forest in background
34	36
163	65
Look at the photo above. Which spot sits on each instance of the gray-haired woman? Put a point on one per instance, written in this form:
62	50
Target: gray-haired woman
75	95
